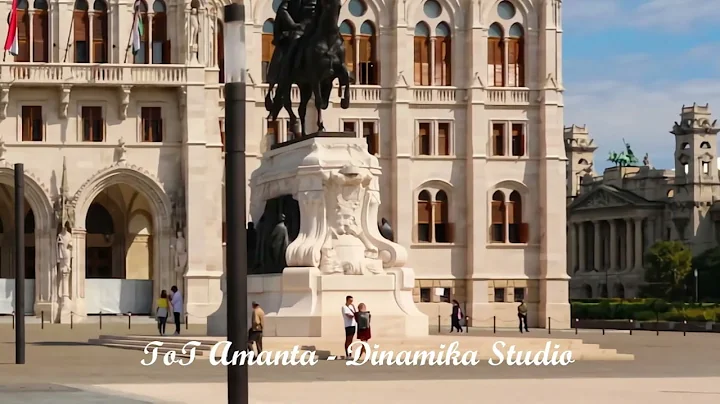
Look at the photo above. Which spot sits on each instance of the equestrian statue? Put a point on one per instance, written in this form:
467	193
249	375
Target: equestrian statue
310	53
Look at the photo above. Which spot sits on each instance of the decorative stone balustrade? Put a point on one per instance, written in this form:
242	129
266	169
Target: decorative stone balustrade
358	94
435	95
508	96
85	73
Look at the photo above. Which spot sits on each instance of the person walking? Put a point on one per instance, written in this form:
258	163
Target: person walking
363	317
522	316
456	317
256	328
176	301
161	313
348	311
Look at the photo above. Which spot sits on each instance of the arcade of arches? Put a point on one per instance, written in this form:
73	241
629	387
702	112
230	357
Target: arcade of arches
7	236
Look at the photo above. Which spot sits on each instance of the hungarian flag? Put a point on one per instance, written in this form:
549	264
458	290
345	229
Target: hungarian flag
137	31
11	41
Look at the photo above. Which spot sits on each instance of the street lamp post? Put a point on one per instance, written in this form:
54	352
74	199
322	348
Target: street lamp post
697	294
235	183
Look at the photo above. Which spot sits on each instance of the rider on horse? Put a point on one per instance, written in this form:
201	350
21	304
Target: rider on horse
292	20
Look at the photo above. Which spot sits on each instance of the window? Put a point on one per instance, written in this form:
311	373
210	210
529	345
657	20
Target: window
443	55
347	32
142	55
368	70
100	32
424	207
445	297
152	124
425	295
443	140
499	295
498	139
81	32
273	132
32	124
518	139
433	218
497	226
424	138
705	167
160	41
519	294
516	63
350	126
93	124
421	50
370	134
267	47
496	72
33	43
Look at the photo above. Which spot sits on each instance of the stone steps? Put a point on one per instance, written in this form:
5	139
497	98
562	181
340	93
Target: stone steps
324	347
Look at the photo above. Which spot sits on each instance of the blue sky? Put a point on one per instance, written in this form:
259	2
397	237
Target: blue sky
630	65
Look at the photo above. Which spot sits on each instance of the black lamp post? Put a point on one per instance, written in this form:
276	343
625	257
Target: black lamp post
235	183
19	264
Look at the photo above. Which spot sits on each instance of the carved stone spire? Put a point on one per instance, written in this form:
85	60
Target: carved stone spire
64	188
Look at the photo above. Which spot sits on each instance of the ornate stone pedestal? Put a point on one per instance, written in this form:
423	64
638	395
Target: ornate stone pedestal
335	247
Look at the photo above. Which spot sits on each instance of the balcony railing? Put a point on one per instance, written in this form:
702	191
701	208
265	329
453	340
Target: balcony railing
84	73
358	94
435	95
508	96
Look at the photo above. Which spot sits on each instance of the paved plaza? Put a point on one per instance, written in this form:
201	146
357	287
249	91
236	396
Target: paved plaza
62	368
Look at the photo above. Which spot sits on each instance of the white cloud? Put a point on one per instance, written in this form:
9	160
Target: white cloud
669	15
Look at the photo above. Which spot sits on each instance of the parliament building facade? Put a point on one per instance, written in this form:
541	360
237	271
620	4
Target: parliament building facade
462	102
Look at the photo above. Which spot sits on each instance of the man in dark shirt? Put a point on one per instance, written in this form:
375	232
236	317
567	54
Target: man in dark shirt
522	316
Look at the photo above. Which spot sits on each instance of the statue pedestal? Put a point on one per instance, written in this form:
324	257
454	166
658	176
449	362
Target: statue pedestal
335	247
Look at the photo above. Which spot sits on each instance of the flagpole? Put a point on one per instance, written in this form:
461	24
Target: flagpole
129	41
67	43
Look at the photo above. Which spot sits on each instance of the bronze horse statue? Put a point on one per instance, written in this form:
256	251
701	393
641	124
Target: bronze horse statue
319	60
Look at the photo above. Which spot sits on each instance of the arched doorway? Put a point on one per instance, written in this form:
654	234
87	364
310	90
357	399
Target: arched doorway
119	269
7	252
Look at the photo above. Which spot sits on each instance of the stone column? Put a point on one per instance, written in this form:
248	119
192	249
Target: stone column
573	248
582	241
598	245
613	246
628	244
638	243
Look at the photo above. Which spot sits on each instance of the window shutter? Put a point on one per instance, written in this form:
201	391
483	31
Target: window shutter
365	49
167	48
444	139
424	209
524	233
267	47
511	212
40	36
273	130
450	232
26	124
159	27
417	59
518	139
437	212
442	61
520	62
81	26
498	139
349	42
497	212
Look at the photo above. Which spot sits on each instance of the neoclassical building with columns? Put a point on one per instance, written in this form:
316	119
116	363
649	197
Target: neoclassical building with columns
462	102
614	218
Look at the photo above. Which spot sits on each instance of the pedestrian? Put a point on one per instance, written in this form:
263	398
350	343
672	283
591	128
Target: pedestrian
456	317
176	301
362	317
522	316
256	328
161	313
348	311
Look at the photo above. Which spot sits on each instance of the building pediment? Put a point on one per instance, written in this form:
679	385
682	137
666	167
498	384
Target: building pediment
608	197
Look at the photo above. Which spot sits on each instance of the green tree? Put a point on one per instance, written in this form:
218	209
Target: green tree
669	263
708	266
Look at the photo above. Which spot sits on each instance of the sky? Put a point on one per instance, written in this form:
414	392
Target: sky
630	65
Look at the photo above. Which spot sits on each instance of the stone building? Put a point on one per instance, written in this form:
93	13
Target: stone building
615	217
461	102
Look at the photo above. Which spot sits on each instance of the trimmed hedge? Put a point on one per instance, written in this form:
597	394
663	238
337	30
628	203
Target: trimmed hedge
643	310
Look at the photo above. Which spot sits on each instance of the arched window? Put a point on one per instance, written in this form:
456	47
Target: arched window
441	222
496	56
517	230
100	32
220	50
582	162
160	40
267	47
424	218
81	32
369	71
421	57
23	24
347	31
703	145
41	32
443	55
498	139
142	53
497	227
516	57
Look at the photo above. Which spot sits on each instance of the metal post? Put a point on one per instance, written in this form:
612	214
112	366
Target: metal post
467	324
657	323
697	291
72	316
42	319
129	320
684	327
494	324
439	324
632	325
186	321
549	326
576	326
19	264
101	319
235	198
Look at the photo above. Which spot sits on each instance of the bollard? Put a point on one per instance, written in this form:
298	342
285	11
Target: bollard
42	320
576	326
631	326
657	324
13	316
494	324
467	325
186	322
101	319
71	319
549	326
684	327
438	324
129	320
603	330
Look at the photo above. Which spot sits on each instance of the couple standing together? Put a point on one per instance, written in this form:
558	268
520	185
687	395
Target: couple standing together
167	303
356	321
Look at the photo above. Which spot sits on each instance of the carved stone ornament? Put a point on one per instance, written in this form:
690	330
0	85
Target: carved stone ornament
64	101
4	100
3	149
335	181
124	100
602	199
